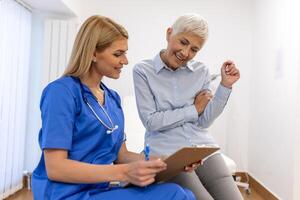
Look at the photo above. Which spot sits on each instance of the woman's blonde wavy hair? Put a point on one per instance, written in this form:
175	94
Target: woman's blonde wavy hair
96	34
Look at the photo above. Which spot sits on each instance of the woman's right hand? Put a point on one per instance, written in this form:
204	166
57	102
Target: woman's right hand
142	173
201	100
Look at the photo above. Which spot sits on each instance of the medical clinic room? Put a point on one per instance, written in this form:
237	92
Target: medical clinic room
154	100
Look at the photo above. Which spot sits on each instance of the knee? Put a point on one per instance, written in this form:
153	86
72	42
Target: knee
179	193
189	194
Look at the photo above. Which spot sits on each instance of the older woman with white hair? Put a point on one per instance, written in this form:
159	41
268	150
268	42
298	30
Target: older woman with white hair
176	106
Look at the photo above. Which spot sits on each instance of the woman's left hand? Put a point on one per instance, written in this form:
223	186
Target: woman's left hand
192	167
230	74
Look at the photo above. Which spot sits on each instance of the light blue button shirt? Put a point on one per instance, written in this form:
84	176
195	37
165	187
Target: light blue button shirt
165	102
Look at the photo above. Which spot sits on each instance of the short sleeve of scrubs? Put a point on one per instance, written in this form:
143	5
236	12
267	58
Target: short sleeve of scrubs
58	110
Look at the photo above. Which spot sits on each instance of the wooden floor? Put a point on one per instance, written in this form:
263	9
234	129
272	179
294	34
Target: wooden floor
25	194
252	196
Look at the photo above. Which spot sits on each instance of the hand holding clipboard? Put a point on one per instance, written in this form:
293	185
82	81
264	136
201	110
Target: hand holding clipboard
182	158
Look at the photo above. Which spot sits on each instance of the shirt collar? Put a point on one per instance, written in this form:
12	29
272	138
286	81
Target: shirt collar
159	64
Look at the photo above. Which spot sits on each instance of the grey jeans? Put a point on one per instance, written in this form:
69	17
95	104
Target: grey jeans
210	181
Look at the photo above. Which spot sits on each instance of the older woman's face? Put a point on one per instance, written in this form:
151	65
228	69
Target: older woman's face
181	48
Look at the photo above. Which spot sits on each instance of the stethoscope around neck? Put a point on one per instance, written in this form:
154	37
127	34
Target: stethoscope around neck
111	127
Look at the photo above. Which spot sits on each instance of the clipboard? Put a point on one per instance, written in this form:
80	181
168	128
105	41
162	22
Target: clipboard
181	158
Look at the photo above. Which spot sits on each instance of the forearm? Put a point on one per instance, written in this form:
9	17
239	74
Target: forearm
127	157
71	171
215	107
168	119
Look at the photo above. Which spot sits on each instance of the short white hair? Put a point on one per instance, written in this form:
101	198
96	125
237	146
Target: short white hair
191	23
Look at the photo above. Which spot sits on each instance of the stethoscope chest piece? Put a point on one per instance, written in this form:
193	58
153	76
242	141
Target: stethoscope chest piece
110	131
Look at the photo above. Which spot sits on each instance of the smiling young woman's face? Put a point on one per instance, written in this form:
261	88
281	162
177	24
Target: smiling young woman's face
181	48
110	61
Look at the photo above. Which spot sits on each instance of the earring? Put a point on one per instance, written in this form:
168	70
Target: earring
94	60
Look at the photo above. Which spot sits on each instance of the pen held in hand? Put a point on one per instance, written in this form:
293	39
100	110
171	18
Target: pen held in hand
147	152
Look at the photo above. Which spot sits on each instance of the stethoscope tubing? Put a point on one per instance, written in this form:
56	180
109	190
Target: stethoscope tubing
109	129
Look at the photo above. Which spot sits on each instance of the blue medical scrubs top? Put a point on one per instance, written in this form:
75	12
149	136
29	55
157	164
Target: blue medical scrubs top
68	123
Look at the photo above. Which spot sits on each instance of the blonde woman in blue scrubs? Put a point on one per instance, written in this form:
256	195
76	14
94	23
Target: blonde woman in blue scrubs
176	106
82	136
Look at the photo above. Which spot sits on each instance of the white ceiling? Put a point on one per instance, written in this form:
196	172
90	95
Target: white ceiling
53	6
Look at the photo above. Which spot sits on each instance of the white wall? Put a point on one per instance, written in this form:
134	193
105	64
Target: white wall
296	164
275	80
